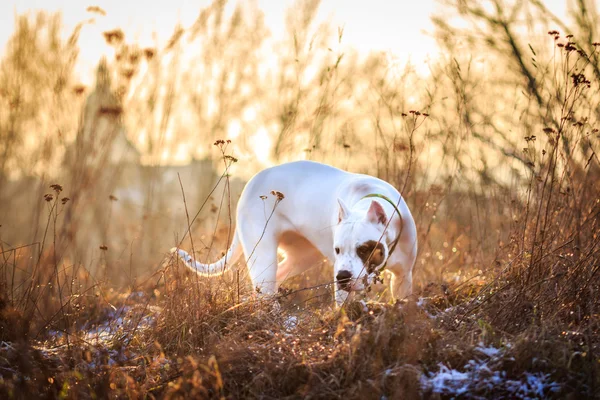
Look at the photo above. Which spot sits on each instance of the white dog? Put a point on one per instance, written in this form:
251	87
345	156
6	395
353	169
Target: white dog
311	211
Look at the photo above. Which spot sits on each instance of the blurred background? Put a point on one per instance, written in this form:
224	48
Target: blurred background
121	103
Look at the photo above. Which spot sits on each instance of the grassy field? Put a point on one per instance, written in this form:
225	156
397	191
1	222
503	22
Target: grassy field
494	151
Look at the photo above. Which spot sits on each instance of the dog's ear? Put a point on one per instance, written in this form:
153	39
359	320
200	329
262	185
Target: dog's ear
344	210
376	213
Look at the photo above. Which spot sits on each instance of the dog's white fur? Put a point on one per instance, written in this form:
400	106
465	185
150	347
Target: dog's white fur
323	211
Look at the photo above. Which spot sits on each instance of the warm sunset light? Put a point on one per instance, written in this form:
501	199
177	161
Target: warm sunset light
295	199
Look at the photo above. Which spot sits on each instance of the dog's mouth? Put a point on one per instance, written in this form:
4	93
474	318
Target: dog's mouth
351	285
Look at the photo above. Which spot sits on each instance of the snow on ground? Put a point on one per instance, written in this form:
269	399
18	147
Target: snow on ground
482	375
107	340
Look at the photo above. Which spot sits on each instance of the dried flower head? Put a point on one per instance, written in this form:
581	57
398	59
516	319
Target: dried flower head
79	89
48	197
116	36
277	194
149	53
96	10
135	56
64	200
56	187
128	73
112	198
104	247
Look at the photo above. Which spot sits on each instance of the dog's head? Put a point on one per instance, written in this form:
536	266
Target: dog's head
359	246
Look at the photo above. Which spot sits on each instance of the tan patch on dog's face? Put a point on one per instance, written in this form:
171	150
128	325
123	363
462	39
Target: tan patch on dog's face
372	254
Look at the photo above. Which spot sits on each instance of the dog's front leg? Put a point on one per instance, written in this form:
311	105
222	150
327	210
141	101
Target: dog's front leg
340	296
401	285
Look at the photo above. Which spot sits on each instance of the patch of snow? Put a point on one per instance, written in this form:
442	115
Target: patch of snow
488	351
446	381
482	376
291	323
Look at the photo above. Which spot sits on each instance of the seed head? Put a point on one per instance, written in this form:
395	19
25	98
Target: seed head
115	36
95	9
79	89
277	194
149	53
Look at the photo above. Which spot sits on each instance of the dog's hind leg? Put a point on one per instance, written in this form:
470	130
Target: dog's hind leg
260	249
300	255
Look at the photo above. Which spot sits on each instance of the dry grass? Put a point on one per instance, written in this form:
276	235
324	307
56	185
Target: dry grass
499	168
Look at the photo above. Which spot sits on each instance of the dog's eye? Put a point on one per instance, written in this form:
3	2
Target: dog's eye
337	250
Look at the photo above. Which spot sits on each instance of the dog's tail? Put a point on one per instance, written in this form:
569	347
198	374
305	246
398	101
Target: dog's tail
216	268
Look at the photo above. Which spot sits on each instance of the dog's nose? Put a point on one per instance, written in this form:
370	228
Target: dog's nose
343	279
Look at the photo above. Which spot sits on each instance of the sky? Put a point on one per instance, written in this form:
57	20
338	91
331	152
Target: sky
401	28
374	25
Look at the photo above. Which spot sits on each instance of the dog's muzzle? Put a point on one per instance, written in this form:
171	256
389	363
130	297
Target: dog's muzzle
344	280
